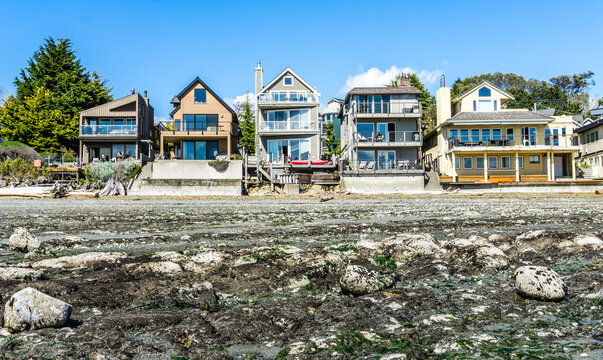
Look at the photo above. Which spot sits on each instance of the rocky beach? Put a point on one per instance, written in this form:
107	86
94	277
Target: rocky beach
390	277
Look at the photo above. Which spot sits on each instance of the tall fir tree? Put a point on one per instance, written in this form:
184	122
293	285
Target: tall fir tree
54	82
333	145
246	117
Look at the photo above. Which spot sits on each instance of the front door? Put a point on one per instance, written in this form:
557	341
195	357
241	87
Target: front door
558	166
388	130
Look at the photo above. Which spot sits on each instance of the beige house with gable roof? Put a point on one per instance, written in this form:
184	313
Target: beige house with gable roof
478	140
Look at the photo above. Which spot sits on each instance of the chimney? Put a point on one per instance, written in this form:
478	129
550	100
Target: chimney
402	80
443	81
146	99
444	105
132	91
259	81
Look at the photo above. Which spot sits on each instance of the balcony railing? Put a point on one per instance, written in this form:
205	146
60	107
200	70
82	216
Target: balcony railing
290	98
370	137
387	108
108	130
287	125
504	140
210	127
382	165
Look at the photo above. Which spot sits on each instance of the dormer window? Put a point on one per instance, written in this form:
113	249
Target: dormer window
485	92
288	81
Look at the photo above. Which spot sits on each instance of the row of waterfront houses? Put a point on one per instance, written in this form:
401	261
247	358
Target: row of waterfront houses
476	141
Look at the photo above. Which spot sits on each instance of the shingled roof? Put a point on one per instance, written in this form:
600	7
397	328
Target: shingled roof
383	90
499	115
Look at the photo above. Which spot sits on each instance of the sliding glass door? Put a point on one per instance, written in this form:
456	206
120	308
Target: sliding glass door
199	150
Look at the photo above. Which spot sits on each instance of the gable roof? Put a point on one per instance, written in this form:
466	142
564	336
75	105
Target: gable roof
478	86
102	110
193	83
288	69
588	126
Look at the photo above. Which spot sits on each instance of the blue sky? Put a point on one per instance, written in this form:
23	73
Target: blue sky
160	46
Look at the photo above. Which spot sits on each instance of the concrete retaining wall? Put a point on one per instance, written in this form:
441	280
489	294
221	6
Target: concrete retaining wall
383	184
192	178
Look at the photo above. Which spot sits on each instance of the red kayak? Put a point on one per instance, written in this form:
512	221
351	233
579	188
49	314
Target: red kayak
305	162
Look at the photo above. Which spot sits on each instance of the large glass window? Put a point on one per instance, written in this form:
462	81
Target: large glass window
200	122
520	160
453	134
464	135
365	130
366	155
510	134
475	135
386	160
484	91
534	159
496	134
199	150
200	96
291	149
457	163
485	134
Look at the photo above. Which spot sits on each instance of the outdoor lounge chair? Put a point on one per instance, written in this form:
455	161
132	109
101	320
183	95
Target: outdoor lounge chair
371	165
362	165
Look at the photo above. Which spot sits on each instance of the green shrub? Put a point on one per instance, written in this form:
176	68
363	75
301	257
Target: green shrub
219	165
20	170
100	173
12	143
385	262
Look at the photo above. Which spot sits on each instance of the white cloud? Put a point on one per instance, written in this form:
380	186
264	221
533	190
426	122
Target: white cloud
237	100
161	119
376	77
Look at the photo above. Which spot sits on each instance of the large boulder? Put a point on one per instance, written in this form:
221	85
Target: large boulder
18	273
30	309
407	245
539	282
85	259
22	240
474	254
359	280
159	267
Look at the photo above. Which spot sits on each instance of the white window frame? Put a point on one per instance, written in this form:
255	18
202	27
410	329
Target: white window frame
501	162
492	157
535	162
470	158
285	80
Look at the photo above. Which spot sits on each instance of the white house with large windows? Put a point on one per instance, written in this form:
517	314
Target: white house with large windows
287	127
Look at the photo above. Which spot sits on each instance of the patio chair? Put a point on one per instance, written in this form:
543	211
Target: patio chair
379	137
361	137
371	165
362	165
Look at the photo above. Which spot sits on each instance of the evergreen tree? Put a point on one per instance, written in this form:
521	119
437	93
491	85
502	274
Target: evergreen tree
247	126
56	84
333	145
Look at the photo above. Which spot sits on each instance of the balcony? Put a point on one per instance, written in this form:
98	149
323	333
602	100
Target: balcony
286	126
382	165
388	138
108	130
386	109
196	127
287	98
504	142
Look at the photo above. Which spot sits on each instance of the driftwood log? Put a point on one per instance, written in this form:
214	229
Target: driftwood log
113	188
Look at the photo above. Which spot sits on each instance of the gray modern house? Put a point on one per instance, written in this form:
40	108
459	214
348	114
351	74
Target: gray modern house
381	138
287	127
119	130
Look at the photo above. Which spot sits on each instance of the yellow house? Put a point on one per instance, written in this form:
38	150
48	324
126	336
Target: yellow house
203	125
478	140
